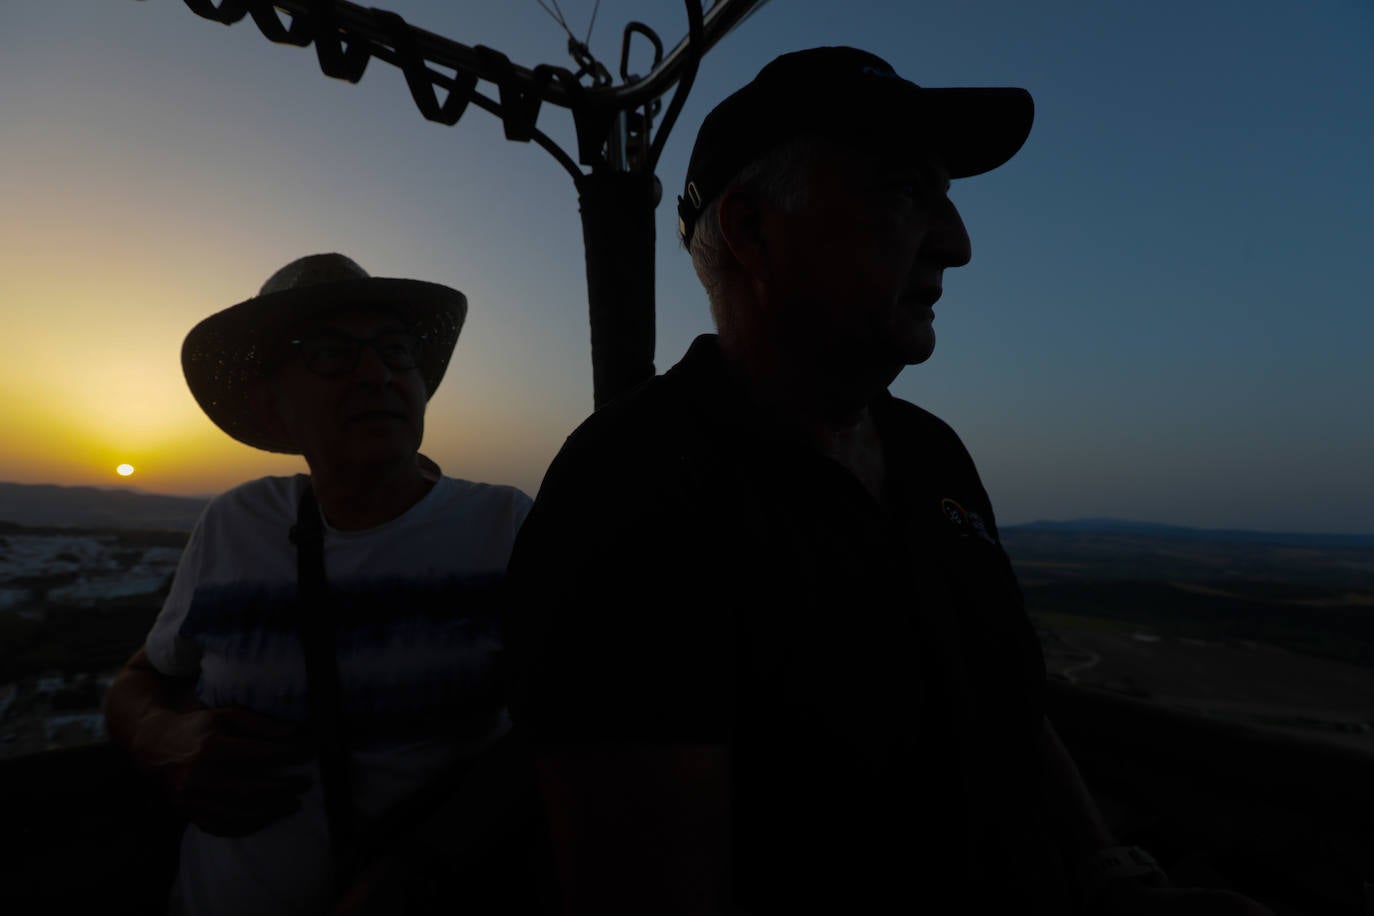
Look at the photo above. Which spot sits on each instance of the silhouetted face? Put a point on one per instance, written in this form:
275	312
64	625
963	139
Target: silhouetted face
342	402
863	261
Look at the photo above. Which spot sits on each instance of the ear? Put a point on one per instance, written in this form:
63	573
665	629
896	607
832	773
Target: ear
267	402
744	226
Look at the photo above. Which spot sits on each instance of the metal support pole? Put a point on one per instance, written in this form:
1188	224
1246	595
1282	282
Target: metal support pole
618	232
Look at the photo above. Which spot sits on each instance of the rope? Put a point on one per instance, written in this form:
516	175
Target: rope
596	9
557	18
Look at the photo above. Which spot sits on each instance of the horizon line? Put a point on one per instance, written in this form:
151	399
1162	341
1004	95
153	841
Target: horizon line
1095	520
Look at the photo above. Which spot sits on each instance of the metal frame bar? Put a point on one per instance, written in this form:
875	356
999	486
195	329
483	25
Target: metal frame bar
716	21
370	32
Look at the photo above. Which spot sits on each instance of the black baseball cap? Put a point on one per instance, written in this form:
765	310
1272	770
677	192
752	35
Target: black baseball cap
851	95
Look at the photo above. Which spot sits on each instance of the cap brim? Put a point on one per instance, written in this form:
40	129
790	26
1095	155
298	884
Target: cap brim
974	130
224	356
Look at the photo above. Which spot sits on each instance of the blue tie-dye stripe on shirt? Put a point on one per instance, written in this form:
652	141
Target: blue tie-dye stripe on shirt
360	603
415	659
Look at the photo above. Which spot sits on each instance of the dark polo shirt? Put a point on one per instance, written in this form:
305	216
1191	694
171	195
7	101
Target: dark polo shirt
692	573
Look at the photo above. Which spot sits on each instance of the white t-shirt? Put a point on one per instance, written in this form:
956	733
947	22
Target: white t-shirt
417	630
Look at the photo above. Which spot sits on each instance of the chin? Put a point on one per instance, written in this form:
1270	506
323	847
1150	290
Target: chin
920	350
911	340
383	452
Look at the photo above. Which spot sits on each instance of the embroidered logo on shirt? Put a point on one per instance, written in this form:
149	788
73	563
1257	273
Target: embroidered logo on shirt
964	521
956	515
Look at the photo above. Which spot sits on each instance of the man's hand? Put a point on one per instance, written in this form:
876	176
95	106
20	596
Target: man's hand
1126	898
228	770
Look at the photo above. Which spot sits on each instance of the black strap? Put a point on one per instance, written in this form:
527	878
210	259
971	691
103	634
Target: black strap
316	629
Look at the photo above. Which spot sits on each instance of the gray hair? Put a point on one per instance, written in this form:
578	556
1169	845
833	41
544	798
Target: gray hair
780	176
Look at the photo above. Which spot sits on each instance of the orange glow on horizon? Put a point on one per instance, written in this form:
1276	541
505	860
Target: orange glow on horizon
76	436
97	383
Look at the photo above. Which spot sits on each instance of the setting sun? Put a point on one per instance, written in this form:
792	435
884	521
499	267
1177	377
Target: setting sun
124	470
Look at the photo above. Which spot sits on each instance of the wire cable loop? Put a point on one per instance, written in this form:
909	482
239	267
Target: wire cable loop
420	79
337	59
299	32
227	12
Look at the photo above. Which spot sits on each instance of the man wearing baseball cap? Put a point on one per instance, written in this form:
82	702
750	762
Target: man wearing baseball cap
768	643
329	642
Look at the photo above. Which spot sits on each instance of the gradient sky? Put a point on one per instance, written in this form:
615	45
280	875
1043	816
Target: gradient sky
1167	316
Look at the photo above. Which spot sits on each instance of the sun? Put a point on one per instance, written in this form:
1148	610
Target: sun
124	470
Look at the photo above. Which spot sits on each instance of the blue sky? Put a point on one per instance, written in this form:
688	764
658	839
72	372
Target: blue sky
1166	317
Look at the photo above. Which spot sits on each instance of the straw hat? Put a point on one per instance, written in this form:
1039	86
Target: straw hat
227	354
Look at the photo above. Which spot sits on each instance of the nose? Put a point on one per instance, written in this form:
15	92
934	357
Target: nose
948	237
371	369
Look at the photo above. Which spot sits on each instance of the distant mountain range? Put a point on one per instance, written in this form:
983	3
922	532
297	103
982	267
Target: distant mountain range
48	505
51	506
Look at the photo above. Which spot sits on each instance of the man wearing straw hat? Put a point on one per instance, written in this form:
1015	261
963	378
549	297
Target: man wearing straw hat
329	641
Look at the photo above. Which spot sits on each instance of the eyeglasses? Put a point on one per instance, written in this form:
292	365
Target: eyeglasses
335	355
